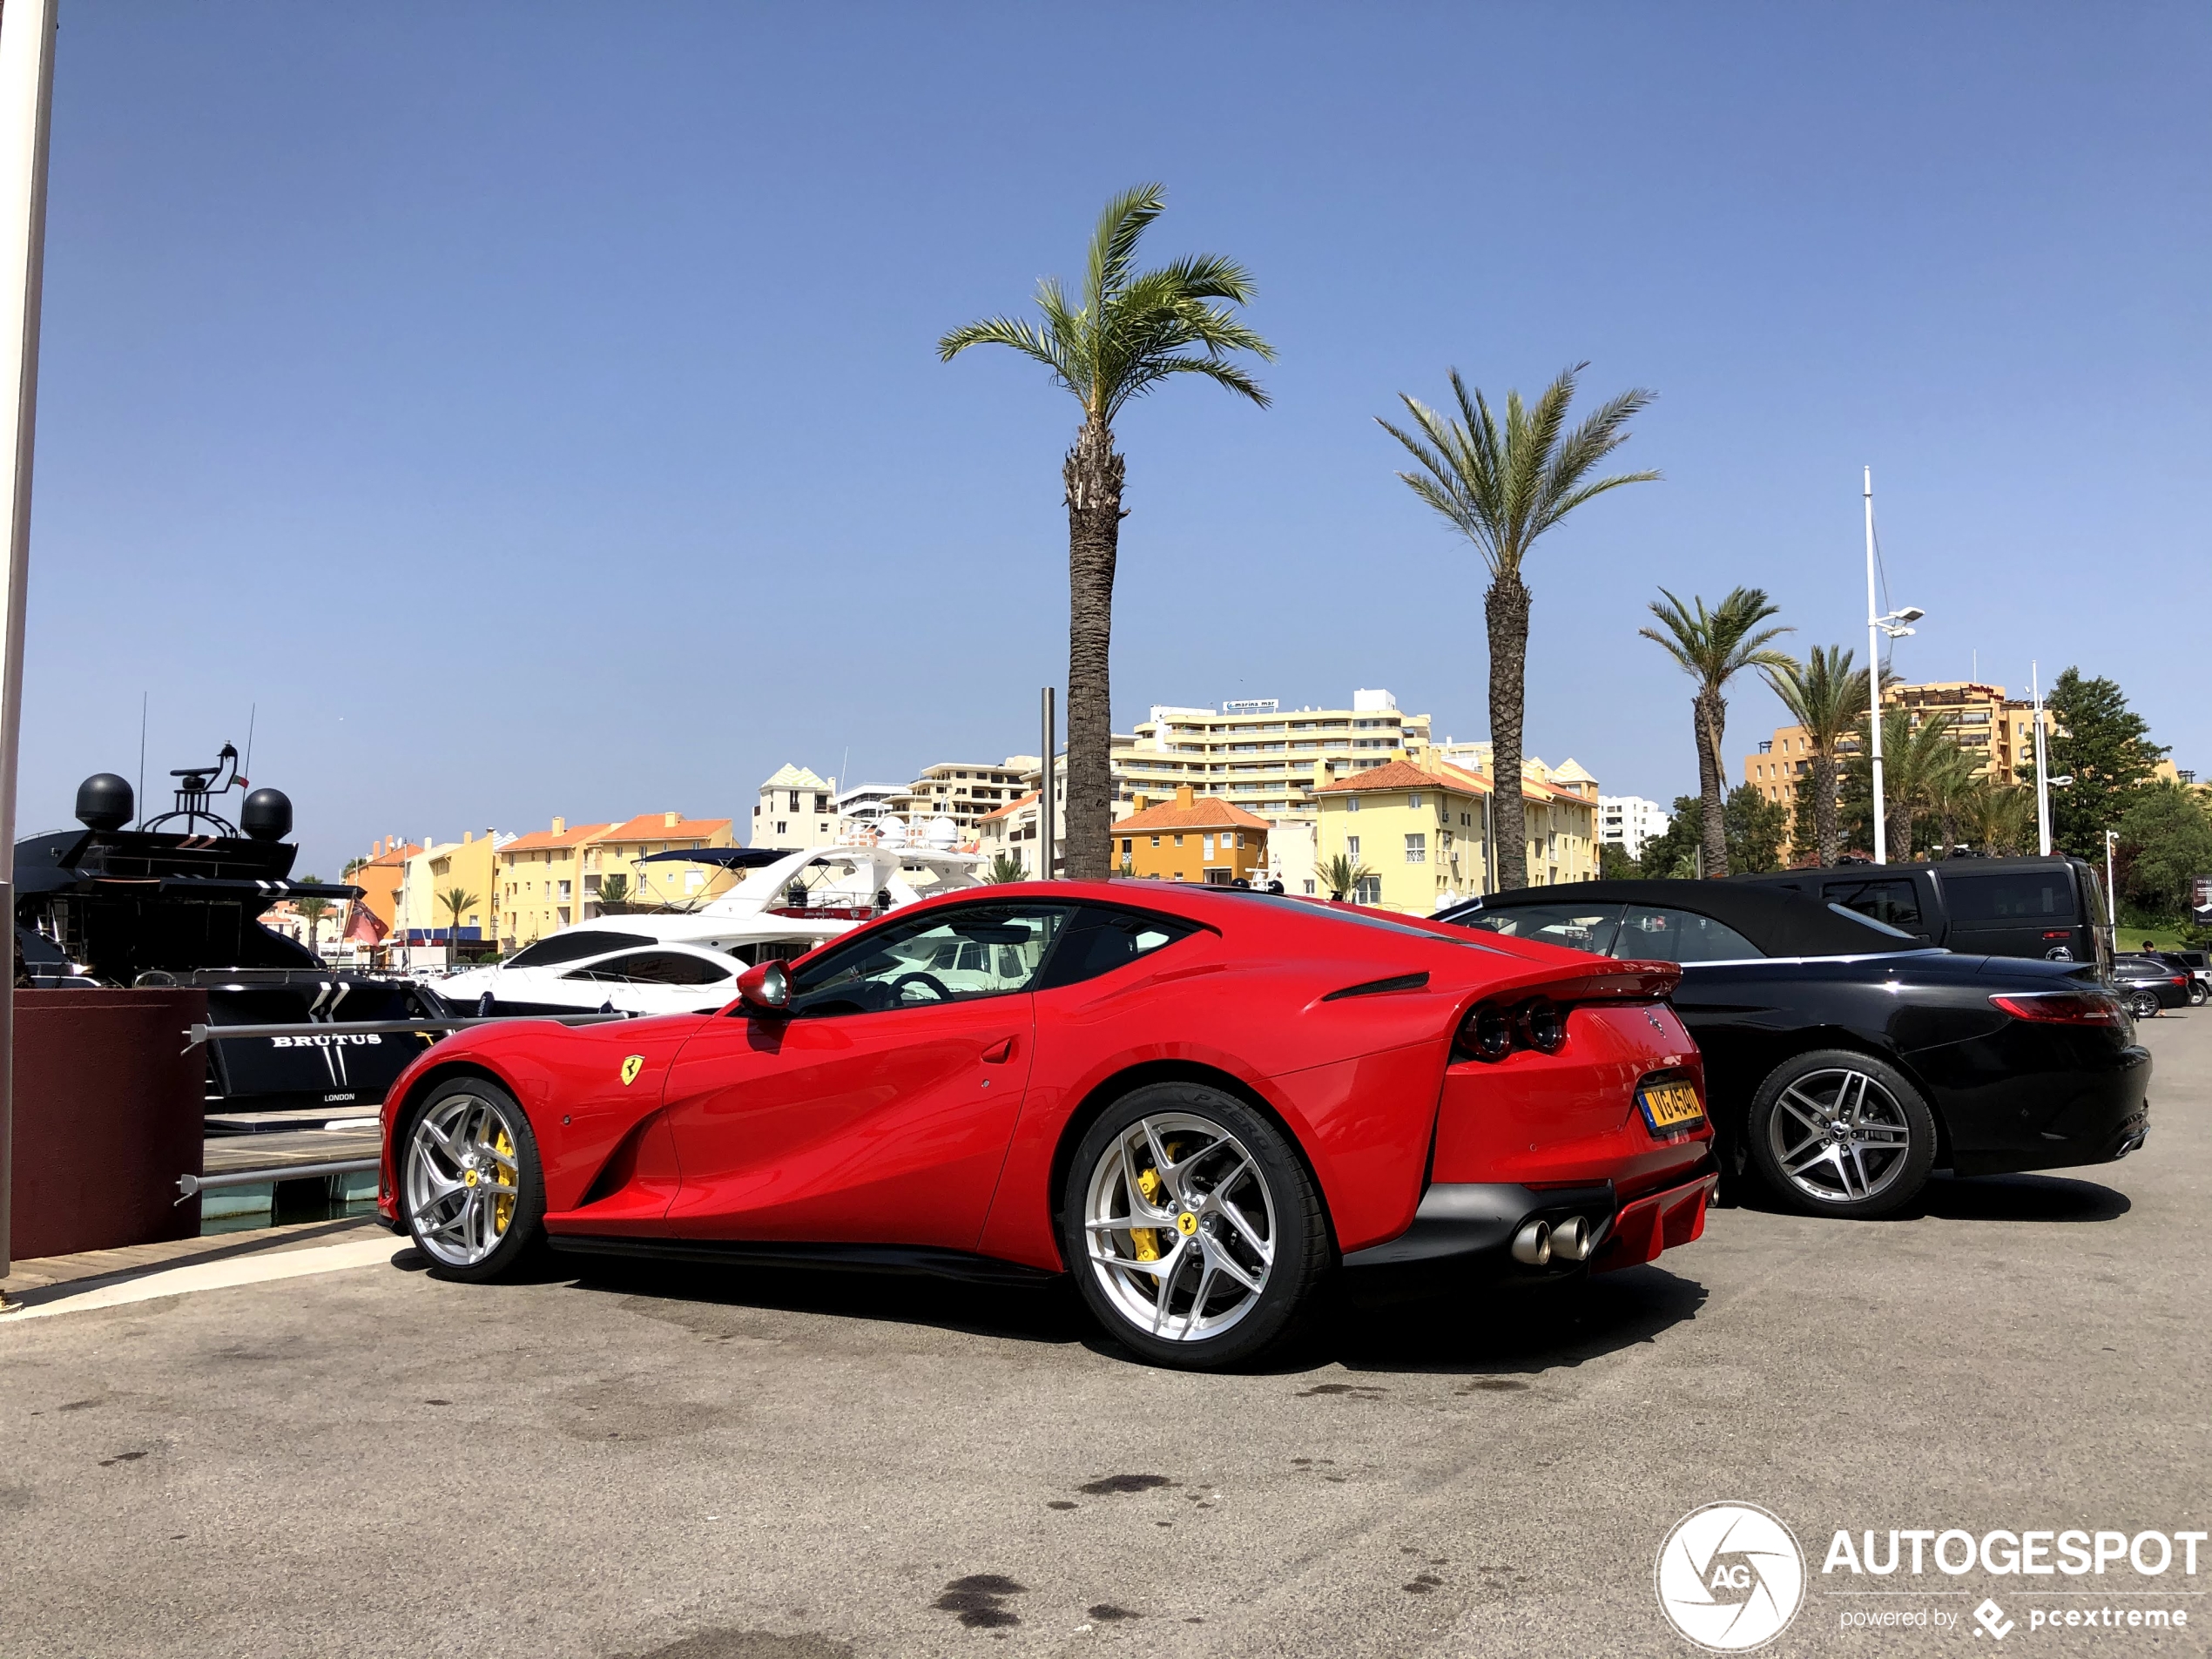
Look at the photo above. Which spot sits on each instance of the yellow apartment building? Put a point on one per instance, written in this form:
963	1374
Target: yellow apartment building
1996	731
469	864
618	853
540	882
1421	829
1192	839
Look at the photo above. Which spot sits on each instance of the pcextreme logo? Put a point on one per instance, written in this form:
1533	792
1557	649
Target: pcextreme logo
1730	1577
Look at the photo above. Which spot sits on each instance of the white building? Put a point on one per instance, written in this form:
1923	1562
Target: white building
796	810
1258	755
1628	821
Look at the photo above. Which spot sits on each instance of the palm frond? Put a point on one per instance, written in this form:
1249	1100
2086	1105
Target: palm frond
1023	337
1121	225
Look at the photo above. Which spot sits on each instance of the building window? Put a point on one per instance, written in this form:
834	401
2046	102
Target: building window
1156	840
1178	840
1127	847
1352	806
1414	800
1367	890
1417	849
1351	848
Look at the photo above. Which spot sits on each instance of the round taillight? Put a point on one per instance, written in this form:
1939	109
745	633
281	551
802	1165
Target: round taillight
1545	1024
1486	1034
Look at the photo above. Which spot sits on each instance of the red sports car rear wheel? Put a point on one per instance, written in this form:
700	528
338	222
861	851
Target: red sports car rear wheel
1194	1231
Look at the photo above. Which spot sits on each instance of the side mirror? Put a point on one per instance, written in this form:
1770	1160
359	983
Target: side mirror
765	987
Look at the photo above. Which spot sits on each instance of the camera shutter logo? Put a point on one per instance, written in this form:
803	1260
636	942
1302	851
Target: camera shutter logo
1730	1577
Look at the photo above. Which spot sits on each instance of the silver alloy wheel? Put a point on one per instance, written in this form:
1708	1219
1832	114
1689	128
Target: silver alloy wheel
462	1178
1180	1226
1839	1136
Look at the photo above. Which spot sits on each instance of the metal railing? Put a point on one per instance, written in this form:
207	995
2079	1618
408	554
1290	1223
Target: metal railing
190	1186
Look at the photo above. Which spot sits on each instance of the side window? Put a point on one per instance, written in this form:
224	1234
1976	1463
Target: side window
1098	942
654	968
567	948
1649	933
1893	901
2032	897
941	956
1585	927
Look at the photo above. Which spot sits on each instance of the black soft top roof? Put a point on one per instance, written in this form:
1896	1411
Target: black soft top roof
1779	922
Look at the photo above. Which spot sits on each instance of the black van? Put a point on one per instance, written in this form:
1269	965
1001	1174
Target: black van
2049	907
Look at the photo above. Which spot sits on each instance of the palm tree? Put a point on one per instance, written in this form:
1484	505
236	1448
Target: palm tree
1923	773
2001	817
1826	698
613	890
1005	868
1341	876
314	910
1502	490
1712	647
455	899
1131	330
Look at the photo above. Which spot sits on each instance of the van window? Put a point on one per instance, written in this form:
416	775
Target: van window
1894	901
2032	896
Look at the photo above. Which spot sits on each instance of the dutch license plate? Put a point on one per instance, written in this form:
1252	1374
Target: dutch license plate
1670	1107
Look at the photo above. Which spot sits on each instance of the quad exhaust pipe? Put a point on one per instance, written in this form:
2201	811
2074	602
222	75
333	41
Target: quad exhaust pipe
1572	1240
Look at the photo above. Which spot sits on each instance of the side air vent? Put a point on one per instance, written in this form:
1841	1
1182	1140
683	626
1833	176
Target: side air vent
1376	986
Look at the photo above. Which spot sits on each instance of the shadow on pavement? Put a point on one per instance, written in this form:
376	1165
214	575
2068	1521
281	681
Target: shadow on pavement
1014	1313
2019	1198
1502	1332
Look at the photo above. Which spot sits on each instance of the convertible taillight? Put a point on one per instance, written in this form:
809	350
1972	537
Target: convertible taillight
2060	1007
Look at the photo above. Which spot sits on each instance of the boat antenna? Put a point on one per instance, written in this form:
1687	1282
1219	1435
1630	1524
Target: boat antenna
143	696
251	710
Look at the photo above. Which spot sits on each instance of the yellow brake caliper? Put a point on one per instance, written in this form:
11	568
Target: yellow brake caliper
502	1205
1146	1240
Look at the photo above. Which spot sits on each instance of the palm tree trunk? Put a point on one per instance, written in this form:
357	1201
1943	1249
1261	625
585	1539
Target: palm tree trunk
1505	607
1825	831
1093	475
1711	715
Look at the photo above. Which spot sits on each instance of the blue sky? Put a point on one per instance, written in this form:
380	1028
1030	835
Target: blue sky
532	409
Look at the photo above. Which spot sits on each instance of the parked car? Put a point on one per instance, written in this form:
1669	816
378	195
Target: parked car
2192	962
1846	1059
2054	907
1197	1100
599	966
2149	984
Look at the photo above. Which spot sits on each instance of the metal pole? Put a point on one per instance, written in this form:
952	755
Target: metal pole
1045	792
2112	901
2042	766
1874	676
26	91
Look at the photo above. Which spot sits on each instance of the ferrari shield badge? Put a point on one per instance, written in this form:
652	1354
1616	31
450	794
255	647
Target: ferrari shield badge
1186	1224
631	1065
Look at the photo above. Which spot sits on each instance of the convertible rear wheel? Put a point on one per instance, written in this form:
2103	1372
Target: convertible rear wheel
1193	1229
470	1187
1838	1133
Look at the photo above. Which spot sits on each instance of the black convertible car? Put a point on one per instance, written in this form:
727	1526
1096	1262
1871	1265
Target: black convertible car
1846	1059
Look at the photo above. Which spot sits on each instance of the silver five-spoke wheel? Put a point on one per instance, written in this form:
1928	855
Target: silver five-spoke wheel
462	1178
1180	1226
1839	1137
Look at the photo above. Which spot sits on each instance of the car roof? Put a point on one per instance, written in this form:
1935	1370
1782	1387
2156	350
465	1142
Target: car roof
1779	922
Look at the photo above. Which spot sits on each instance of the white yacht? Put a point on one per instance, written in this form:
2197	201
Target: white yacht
685	958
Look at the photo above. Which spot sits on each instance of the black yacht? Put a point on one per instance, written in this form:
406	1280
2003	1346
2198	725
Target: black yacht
178	901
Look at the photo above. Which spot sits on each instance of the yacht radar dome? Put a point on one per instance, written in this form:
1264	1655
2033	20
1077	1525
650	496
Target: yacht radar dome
104	801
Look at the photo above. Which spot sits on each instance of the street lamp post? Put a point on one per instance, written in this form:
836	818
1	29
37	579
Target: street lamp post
2112	899
1895	624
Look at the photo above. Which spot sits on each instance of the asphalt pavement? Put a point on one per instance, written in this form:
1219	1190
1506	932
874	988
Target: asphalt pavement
681	1465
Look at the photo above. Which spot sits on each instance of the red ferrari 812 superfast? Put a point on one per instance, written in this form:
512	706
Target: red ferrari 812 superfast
1198	1102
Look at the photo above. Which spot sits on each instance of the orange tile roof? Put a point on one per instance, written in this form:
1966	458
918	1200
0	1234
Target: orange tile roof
654	827
1204	813
1404	774
390	860
1010	808
540	841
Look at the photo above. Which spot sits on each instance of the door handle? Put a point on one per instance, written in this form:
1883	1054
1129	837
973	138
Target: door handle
999	1052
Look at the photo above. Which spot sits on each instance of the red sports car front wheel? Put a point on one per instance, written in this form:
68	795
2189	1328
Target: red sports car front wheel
471	1190
1191	1226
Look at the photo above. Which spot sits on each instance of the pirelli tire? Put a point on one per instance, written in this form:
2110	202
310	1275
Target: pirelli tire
1196	1236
